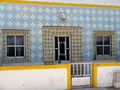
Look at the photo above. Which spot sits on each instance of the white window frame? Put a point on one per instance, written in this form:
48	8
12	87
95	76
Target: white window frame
62	61
104	46
15	46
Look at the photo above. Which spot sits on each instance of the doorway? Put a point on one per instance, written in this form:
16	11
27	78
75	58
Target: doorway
62	49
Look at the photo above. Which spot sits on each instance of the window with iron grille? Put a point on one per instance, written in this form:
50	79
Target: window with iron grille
62	48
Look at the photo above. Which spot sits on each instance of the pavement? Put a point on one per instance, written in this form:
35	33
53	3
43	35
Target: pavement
110	88
90	89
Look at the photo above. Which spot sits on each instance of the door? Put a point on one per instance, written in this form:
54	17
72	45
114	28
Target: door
62	49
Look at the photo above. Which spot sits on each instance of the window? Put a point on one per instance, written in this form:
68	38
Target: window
62	48
15	46
103	44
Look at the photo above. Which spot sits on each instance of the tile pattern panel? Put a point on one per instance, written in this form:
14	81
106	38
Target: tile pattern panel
75	34
33	17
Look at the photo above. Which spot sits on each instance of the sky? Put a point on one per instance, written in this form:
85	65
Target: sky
100	2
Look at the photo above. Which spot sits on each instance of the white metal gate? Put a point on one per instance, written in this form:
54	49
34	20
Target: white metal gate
81	74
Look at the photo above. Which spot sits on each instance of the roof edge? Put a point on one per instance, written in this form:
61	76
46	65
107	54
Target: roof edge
57	4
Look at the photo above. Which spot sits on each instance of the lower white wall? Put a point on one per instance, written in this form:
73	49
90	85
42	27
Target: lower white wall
38	79
105	75
78	81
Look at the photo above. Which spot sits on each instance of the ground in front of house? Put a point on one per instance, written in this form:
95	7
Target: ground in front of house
109	88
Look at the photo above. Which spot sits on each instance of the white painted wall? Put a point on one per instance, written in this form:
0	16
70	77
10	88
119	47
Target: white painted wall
105	75
78	81
101	2
39	79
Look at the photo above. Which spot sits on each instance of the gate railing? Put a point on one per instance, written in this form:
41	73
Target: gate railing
81	69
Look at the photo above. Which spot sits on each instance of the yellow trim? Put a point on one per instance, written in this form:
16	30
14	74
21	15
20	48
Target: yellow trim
57	4
69	77
94	75
67	66
110	64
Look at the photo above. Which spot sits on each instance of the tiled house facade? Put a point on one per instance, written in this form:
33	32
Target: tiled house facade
58	34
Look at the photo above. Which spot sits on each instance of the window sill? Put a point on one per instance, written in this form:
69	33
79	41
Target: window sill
23	64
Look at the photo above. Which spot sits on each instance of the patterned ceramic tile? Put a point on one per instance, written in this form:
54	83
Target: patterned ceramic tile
35	17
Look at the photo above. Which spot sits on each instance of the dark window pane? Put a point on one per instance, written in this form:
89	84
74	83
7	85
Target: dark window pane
10	51
62	39
107	50
67	42
10	40
19	51
100	50
56	42
106	40
19	40
99	40
67	51
56	54
62	57
62	48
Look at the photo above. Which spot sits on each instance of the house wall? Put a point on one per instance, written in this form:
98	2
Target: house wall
103	74
107	72
34	17
50	77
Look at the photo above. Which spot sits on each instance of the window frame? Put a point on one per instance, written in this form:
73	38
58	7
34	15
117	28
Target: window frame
19	32
15	46
113	46
103	46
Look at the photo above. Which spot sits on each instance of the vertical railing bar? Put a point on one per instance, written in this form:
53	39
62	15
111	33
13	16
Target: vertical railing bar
91	69
77	69
73	69
88	69
80	69
83	66
84	69
91	74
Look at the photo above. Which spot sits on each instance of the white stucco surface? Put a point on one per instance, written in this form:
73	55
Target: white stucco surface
101	2
105	75
39	79
77	81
